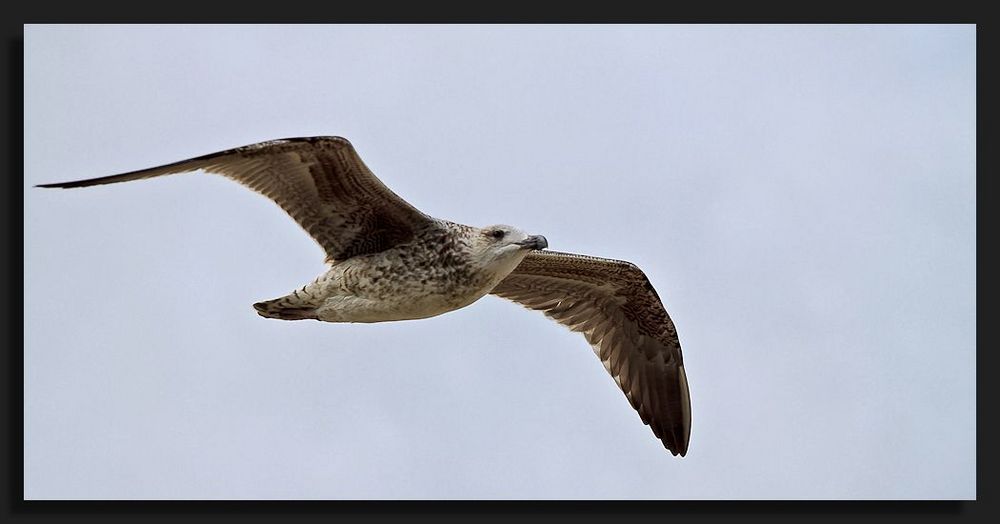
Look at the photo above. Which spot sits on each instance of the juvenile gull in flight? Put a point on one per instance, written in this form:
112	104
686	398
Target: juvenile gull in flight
389	261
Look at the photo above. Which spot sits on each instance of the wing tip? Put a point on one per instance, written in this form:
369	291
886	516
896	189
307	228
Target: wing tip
675	443
134	175
676	433
60	185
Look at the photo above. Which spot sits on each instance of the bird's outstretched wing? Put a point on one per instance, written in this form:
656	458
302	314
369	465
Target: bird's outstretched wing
320	182
612	303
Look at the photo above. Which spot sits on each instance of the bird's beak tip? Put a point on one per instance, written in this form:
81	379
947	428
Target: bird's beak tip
535	242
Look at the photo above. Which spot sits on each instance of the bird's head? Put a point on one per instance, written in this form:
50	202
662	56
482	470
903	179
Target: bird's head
503	247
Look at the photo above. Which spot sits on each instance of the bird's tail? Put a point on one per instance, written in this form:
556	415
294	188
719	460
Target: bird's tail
289	307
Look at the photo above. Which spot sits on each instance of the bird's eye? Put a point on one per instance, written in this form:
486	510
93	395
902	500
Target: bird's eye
499	233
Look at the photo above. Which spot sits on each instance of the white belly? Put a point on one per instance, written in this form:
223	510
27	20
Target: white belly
350	308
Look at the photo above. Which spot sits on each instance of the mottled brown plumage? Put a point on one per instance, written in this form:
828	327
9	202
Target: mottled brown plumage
389	261
612	303
321	182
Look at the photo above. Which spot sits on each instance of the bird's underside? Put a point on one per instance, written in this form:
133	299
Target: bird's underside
389	261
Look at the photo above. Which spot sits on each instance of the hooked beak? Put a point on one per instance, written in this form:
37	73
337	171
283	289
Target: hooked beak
534	242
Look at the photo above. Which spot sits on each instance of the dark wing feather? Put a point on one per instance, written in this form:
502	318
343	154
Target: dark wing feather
612	303
320	182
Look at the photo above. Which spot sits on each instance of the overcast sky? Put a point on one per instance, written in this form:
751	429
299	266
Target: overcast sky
801	197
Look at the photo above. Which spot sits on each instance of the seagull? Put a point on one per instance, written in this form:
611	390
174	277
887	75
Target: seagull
388	261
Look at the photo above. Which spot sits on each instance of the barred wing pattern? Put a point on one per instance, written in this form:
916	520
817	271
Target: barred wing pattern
613	304
321	182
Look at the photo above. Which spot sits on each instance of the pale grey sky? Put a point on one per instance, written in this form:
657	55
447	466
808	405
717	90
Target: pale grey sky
801	197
